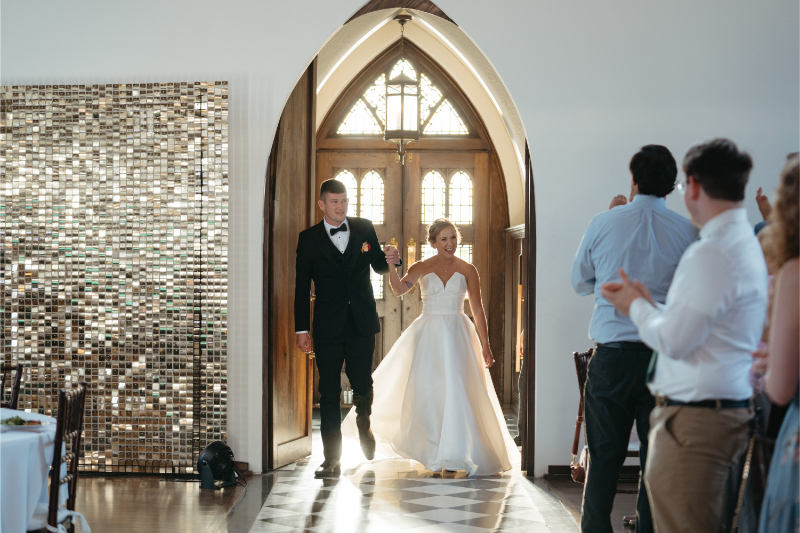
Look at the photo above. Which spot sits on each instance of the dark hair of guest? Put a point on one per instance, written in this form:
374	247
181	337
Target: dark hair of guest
654	170
332	186
720	168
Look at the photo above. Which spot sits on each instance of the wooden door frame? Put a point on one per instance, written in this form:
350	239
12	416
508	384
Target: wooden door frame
528	374
527	414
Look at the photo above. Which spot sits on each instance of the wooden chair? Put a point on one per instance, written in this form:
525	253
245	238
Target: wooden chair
581	368
69	429
4	371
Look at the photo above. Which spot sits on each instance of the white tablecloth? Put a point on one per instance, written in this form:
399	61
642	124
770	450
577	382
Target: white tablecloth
25	458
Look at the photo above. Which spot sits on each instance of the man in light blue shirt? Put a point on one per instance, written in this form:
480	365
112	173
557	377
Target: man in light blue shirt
647	240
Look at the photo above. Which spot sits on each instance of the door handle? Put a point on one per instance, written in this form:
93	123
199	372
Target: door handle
411	251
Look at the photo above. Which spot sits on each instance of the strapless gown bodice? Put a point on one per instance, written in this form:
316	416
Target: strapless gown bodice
434	400
441	299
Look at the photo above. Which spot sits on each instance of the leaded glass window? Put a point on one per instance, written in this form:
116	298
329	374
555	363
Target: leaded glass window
349	181
433	197
460	198
458	193
377	282
371	197
445	121
438	116
464	251
361	120
367	197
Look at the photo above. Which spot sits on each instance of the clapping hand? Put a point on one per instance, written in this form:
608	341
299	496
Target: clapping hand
618	200
392	255
763	204
622	294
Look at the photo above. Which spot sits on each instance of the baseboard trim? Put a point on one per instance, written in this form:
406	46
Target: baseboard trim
628	474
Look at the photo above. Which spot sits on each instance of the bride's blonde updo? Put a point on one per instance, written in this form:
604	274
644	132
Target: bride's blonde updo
436	227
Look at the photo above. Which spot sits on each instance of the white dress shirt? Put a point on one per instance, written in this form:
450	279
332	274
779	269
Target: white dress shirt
643	237
713	317
341	238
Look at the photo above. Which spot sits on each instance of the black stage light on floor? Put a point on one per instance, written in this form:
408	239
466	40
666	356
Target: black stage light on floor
216	463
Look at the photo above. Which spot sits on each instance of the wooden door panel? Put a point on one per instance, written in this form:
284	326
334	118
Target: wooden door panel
289	371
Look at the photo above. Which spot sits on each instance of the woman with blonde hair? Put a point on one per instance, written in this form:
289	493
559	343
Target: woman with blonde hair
434	398
780	511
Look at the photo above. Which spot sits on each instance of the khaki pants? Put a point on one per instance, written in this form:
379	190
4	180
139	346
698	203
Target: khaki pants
693	452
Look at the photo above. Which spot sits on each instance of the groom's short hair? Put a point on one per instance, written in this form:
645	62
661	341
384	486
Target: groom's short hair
332	186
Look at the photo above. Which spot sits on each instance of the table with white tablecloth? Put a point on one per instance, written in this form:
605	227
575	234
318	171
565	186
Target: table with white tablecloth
25	458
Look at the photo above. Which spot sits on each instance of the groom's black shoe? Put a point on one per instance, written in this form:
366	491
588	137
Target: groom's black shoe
363	405
329	468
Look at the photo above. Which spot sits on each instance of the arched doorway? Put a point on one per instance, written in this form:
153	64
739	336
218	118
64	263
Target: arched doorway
452	171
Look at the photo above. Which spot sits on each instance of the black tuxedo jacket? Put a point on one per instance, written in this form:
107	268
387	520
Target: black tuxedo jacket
339	279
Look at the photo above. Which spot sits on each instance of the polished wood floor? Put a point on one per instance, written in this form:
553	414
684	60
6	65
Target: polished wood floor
127	504
571	496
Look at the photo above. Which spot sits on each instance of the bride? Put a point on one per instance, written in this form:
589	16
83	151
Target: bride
434	398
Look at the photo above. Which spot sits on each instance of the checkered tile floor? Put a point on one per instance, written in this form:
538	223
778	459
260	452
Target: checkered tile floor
393	494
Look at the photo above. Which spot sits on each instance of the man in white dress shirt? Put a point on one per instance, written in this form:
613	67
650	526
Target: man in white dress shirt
713	318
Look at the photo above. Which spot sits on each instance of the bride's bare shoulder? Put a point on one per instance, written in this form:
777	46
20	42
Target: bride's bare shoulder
468	270
420	268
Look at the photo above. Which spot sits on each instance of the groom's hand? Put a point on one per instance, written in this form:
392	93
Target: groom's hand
303	342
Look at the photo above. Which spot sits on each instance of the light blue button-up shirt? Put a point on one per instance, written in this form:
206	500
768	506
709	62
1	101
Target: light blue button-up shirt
643	237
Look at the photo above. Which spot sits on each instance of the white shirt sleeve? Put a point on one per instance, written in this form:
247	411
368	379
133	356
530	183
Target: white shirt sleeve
701	290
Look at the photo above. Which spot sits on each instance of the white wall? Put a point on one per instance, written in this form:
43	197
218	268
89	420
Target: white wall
592	82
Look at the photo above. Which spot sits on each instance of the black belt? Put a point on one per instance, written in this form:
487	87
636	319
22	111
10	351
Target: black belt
661	401
623	345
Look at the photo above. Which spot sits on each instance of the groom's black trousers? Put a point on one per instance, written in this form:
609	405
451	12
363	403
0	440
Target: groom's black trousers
355	350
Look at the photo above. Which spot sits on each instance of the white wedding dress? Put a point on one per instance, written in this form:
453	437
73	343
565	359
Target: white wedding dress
434	398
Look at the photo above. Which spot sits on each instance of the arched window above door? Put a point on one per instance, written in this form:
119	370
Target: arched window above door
438	116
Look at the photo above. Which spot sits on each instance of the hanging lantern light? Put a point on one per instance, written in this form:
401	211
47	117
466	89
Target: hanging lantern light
402	101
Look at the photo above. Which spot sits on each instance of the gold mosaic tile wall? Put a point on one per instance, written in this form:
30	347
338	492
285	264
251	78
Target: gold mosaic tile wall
113	263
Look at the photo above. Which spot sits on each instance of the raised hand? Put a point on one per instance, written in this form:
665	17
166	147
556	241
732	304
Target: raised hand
392	255
763	204
618	200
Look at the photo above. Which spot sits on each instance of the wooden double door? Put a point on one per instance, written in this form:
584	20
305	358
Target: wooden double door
401	200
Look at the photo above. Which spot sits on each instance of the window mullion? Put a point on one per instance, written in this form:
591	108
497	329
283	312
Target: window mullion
433	111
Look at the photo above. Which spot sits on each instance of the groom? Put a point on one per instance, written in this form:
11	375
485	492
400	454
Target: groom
337	254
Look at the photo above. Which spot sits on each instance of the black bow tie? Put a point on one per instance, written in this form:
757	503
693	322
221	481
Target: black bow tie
334	231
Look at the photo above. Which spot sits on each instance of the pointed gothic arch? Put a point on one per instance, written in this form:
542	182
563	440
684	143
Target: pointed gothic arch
476	138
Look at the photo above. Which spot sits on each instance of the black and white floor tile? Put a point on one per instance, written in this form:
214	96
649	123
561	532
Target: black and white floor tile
390	494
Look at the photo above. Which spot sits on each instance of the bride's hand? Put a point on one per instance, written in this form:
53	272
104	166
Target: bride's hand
488	358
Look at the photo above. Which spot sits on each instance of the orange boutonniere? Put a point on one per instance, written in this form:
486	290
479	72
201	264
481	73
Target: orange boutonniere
365	247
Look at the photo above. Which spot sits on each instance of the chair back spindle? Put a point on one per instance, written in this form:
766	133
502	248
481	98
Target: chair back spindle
581	368
69	429
4	371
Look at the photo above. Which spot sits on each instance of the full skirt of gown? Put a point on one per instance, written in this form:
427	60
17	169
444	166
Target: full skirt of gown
434	400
